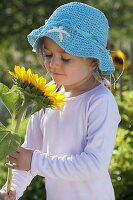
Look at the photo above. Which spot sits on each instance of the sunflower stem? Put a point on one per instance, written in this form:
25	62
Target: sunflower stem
24	107
9	180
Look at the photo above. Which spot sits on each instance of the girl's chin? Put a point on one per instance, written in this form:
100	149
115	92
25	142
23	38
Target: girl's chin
57	81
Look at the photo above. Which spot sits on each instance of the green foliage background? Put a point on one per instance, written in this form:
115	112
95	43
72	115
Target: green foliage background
19	18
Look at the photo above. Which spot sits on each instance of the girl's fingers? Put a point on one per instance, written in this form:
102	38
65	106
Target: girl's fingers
11	165
4	195
12	195
11	159
14	154
8	196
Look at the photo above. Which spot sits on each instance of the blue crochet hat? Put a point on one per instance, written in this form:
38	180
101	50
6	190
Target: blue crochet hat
80	30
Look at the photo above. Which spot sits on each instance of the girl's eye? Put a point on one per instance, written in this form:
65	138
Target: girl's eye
48	56
65	60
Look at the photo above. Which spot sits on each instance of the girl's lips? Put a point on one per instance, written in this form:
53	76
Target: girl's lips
56	74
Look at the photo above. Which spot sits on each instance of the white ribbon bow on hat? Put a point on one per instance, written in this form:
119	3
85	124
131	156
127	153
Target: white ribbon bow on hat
60	31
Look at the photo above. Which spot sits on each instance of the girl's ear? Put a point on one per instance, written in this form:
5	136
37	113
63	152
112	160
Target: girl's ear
94	63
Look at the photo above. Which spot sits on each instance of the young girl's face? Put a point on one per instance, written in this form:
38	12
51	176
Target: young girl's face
64	68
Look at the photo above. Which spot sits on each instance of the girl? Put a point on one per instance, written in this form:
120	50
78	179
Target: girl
71	149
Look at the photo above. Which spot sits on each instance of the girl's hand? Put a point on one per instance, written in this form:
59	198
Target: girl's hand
5	196
20	159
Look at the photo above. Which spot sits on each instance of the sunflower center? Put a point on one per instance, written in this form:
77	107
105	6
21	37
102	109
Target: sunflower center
118	60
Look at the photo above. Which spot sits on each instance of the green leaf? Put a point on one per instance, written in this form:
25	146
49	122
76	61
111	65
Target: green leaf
34	90
11	99
9	141
37	106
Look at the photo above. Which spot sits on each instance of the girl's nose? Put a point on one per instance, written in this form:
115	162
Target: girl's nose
54	62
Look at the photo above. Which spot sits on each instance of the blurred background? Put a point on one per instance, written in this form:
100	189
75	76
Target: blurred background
17	20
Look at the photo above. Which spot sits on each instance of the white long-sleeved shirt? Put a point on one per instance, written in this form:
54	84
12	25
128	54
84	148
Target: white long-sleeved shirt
73	147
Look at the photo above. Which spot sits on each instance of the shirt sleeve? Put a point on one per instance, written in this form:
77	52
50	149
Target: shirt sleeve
102	122
33	140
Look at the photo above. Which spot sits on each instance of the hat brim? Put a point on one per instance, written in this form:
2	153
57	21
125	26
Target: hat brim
77	45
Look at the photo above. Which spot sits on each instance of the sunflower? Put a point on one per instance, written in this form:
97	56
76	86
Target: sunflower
119	59
35	87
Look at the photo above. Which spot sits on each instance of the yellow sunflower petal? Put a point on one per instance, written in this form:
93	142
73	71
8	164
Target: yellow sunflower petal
119	59
51	87
12	74
23	74
17	69
57	107
48	90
